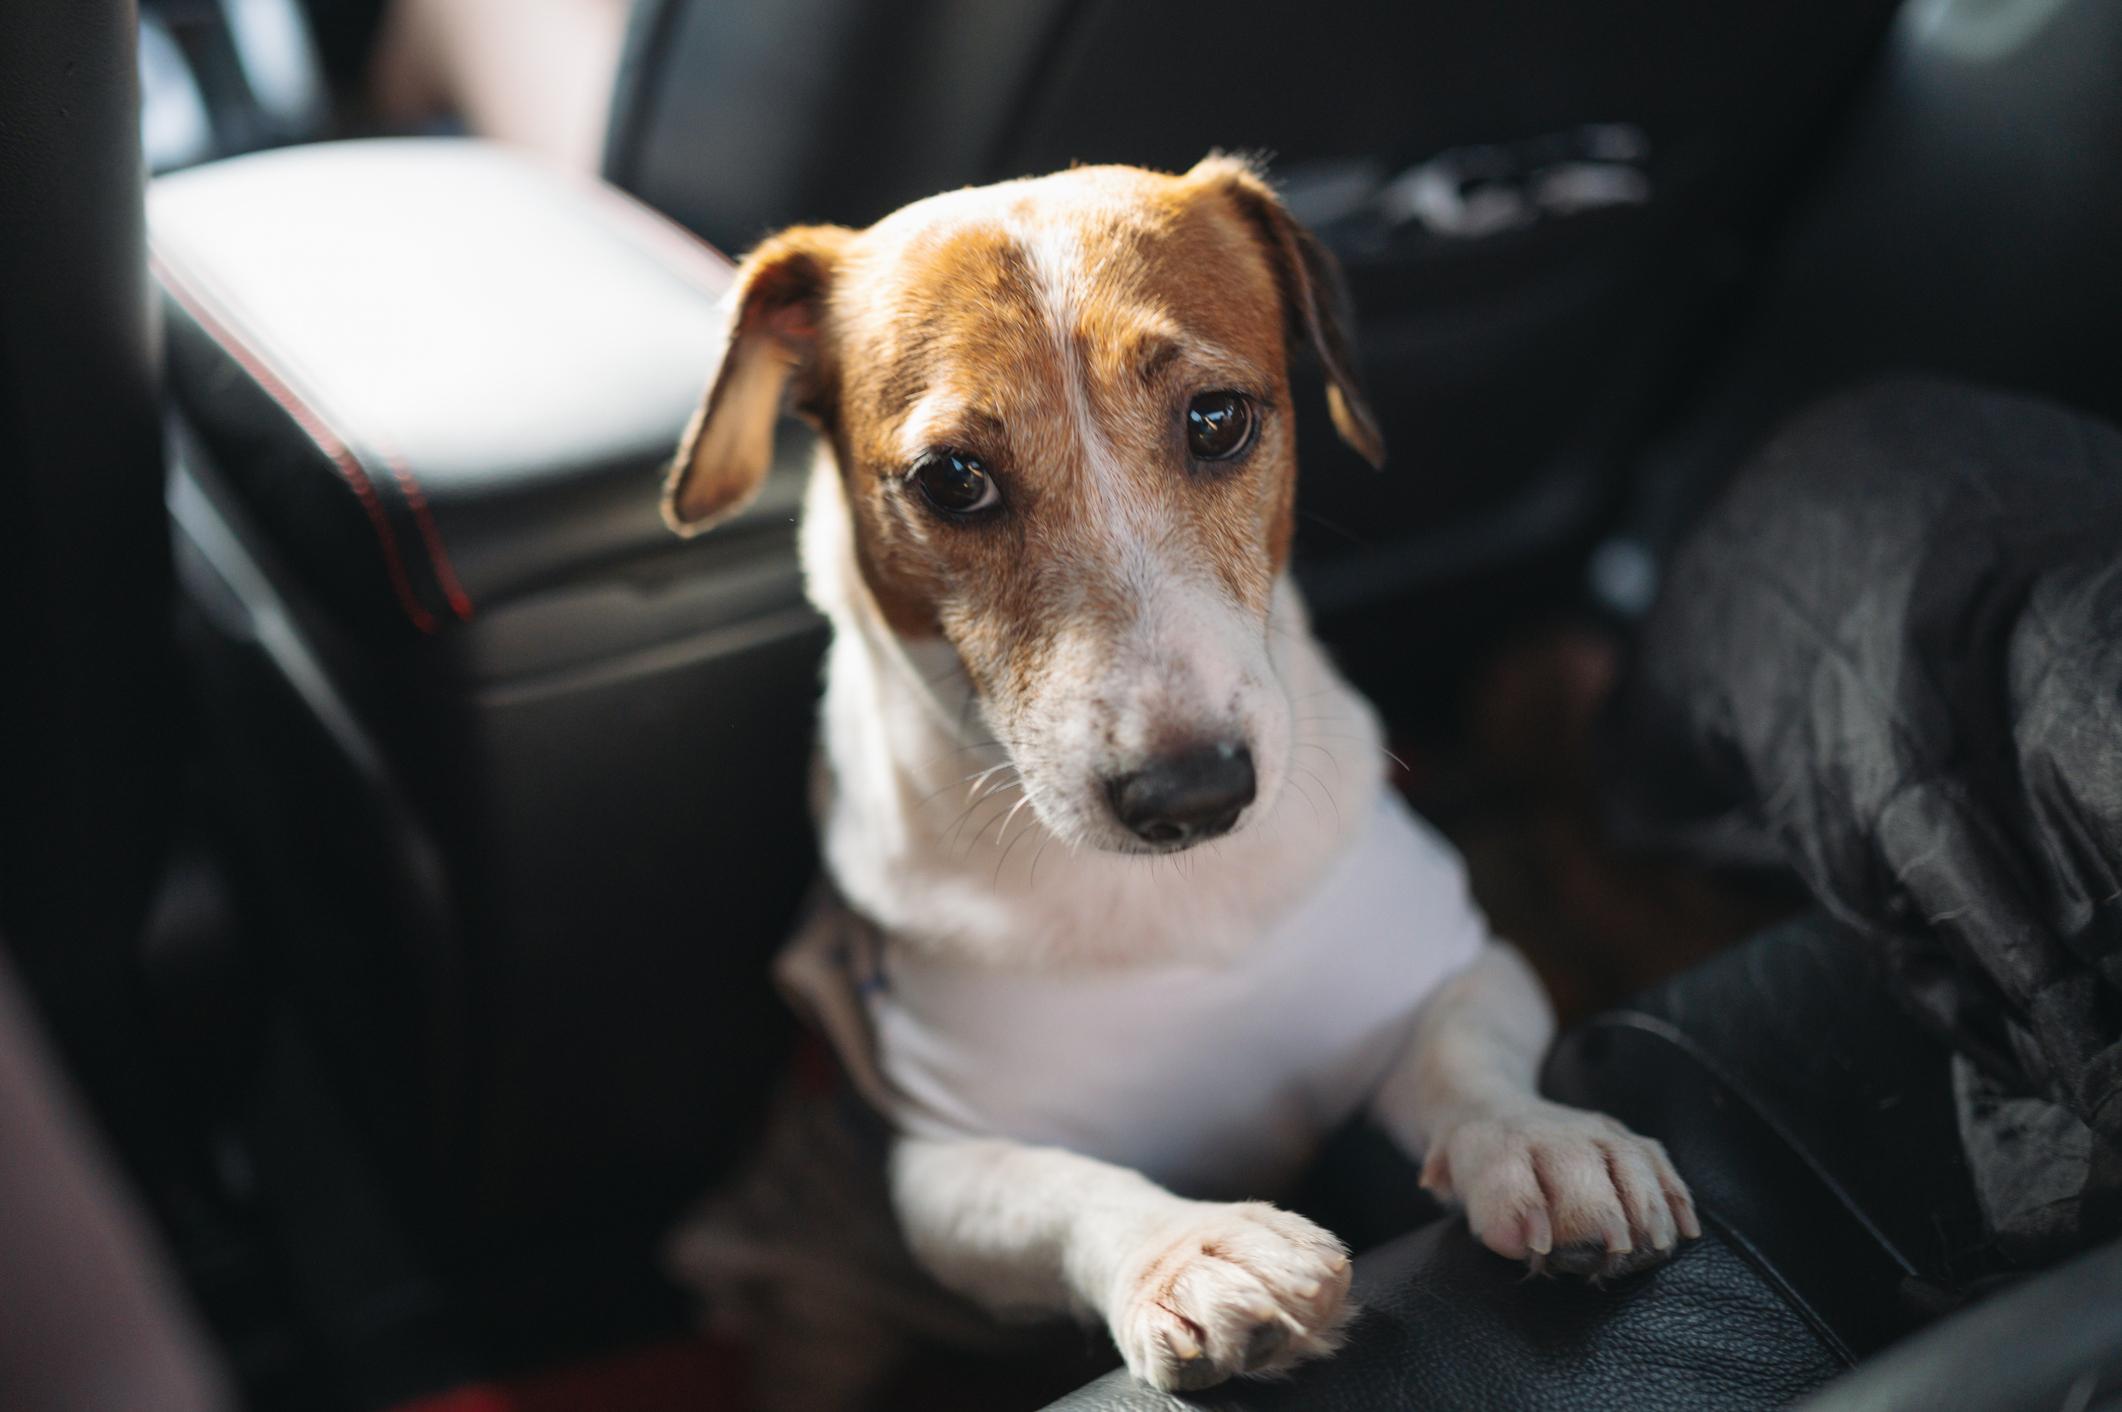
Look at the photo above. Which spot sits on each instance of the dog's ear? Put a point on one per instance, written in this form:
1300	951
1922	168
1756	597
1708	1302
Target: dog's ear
776	308
1313	295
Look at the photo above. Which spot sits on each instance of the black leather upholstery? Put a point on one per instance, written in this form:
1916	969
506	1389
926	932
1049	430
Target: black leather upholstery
1937	242
1812	1119
737	119
1932	240
442	376
1445	1324
1793	1055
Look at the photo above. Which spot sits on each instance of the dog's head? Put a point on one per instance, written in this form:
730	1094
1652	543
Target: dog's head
1062	419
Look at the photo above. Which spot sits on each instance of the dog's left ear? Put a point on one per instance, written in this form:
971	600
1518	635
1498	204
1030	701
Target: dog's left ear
1312	294
776	308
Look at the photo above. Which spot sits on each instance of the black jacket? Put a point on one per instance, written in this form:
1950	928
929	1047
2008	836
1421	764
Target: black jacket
1891	657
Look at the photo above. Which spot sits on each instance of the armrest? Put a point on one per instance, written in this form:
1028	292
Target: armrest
437	373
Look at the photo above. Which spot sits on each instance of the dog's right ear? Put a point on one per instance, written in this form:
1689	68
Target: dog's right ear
1312	291
776	307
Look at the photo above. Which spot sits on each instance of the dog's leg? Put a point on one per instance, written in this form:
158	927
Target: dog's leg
1193	1291
1566	1190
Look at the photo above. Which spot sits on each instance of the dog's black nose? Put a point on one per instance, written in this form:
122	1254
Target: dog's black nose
1186	797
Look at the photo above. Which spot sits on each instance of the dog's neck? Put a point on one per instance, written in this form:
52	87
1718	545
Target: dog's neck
925	831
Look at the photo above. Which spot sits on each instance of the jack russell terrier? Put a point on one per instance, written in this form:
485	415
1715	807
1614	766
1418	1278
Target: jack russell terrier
1050	524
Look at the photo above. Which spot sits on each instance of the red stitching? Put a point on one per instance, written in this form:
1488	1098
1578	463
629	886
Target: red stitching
312	424
681	252
415	498
460	602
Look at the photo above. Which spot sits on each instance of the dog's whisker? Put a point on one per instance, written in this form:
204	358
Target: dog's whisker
1022	800
1003	861
1331	758
979	775
928	765
988	794
976	776
973	781
925	800
979	830
996	792
1358	740
1306	796
977	795
1332	802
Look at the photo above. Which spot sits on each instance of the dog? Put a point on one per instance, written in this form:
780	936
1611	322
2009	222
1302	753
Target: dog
1123	918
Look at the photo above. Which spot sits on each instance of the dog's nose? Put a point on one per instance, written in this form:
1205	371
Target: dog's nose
1187	797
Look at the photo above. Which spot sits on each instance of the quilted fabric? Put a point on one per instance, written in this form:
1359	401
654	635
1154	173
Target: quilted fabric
1891	656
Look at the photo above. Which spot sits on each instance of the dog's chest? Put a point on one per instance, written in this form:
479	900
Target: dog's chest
1216	1078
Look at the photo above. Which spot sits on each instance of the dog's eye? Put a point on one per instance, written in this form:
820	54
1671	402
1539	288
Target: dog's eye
955	484
1219	425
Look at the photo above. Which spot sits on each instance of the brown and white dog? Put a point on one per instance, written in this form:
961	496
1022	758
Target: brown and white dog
1050	524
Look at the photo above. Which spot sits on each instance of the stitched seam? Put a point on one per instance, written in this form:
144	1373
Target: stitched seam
312	424
460	602
677	250
1767	1269
269	351
1679	1039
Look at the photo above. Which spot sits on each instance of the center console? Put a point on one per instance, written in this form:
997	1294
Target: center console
519	774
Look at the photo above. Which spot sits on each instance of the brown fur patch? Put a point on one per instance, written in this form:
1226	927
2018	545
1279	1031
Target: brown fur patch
1054	330
946	311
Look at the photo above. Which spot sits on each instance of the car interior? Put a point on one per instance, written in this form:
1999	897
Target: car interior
401	820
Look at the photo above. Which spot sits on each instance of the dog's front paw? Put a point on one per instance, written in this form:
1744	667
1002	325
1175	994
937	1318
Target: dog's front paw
1229	1289
1567	1191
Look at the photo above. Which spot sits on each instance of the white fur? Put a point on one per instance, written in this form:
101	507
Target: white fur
1536	1178
1192	663
1192	1291
926	848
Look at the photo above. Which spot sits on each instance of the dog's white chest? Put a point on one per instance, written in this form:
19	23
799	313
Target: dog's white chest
1216	1078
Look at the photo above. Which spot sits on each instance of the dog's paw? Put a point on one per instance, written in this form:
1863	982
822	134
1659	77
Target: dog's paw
1229	1289
1566	1191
